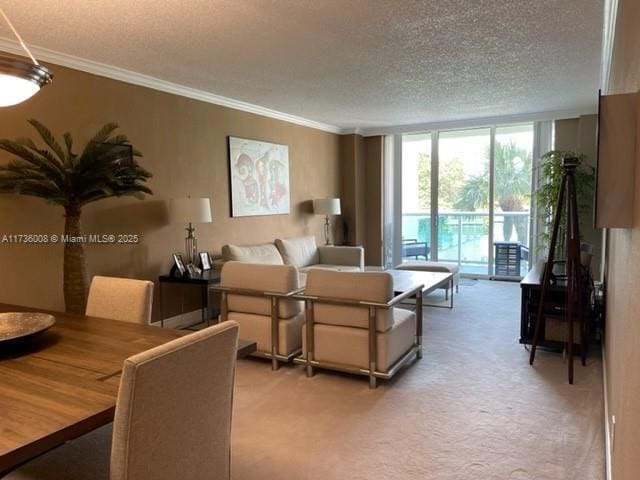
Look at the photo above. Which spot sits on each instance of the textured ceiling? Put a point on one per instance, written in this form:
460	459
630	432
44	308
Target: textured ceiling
350	63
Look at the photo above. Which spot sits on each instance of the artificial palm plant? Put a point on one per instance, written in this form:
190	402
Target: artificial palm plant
71	180
546	196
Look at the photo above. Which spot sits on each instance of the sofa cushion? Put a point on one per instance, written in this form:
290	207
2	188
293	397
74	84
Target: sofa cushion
263	253
298	251
324	266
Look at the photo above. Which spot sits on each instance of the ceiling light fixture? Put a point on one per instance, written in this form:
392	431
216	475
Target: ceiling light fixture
19	78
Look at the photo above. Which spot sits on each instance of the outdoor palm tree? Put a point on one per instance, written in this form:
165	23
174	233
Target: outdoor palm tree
105	168
511	189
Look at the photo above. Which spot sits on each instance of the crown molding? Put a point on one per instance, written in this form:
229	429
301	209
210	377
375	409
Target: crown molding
478	122
135	78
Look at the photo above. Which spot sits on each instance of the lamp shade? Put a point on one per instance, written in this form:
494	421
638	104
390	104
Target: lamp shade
190	210
326	206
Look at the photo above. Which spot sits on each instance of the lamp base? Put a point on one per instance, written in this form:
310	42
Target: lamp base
191	244
327	230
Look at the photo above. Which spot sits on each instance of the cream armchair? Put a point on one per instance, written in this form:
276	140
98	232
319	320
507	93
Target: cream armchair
257	297
352	325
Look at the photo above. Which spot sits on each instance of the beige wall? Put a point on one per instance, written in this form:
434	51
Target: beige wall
184	143
579	134
623	301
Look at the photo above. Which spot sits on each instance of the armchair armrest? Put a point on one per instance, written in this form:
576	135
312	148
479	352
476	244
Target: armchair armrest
416	291
353	256
254	293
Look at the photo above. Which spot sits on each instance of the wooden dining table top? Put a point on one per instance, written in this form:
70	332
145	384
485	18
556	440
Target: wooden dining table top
64	382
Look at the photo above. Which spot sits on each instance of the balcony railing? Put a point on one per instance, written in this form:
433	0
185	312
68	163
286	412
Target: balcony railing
463	237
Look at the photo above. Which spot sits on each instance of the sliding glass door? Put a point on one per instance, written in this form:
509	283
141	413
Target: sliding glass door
463	198
416	196
512	191
464	190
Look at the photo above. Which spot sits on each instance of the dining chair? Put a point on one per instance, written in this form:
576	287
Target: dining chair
172	418
123	299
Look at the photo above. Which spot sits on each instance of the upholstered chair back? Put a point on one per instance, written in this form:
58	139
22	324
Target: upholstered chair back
365	286
173	414
120	299
263	278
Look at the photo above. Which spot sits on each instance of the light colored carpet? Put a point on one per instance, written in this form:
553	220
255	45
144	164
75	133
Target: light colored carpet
472	408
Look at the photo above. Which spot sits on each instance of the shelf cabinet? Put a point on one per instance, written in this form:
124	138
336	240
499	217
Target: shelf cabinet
618	150
553	333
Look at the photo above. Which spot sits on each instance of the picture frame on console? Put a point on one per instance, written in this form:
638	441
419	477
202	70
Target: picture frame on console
179	268
258	177
205	261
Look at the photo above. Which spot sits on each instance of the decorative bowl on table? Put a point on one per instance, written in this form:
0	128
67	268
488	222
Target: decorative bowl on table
20	325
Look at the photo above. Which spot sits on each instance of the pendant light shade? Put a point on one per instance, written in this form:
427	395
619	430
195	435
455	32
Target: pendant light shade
20	79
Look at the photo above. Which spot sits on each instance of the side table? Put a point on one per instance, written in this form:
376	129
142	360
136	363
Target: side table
203	280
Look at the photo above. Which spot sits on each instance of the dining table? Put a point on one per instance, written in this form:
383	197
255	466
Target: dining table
64	382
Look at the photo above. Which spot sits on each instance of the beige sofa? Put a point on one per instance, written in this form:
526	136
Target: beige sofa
301	252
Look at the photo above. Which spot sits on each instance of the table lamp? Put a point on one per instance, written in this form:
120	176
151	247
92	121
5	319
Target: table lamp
190	210
326	207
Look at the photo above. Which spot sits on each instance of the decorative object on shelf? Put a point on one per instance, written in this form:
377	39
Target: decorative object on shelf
190	210
205	261
326	207
258	177
178	265
551	175
565	211
20	325
105	168
20	79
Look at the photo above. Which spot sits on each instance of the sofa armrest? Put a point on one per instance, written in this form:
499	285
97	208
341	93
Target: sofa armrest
353	256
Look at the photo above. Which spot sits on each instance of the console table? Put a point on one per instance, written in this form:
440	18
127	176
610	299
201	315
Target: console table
553	329
203	280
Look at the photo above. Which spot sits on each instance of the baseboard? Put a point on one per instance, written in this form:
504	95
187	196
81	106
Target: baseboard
608	447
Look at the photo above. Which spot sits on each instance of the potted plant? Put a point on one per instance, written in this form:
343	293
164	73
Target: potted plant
546	196
62	177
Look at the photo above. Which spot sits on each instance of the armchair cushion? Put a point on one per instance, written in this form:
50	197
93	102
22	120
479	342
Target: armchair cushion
257	329
350	346
263	253
298	251
342	255
366	286
263	278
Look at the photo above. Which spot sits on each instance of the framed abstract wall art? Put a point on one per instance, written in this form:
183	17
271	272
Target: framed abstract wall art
258	177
